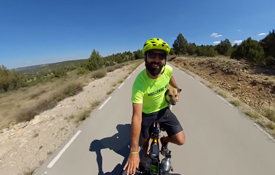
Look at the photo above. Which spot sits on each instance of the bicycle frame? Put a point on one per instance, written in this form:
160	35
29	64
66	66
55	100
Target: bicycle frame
154	151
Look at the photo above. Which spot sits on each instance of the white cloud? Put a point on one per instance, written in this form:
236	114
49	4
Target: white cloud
216	42
261	34
239	30
215	35
237	42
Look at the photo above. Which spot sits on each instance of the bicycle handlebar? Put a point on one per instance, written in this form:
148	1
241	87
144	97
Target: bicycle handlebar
138	172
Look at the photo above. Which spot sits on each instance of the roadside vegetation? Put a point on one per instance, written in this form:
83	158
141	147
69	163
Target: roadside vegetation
25	77
34	90
243	74
26	93
256	52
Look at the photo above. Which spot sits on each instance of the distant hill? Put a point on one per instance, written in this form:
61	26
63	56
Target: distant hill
51	66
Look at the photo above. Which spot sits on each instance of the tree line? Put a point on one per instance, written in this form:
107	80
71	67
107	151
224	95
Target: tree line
12	80
257	52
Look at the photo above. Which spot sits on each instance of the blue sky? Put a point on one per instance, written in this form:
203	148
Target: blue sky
46	31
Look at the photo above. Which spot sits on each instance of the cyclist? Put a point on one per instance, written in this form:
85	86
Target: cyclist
149	104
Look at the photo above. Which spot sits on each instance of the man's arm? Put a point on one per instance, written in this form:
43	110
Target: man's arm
136	126
173	82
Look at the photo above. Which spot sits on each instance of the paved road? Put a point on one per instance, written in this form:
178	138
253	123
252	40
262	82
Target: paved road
220	140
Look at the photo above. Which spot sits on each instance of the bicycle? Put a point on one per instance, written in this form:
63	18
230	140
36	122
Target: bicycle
155	166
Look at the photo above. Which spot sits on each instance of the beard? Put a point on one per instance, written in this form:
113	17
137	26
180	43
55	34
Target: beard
154	71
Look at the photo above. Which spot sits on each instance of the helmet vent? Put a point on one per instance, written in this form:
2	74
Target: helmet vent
145	44
154	44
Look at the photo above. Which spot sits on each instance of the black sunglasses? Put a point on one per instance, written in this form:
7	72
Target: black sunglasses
153	55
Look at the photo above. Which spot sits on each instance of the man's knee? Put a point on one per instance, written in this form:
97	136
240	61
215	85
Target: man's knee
179	138
181	141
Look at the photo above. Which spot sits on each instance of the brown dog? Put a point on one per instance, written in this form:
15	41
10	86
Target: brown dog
171	96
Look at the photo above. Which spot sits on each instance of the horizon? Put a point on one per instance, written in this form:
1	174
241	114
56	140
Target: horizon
45	32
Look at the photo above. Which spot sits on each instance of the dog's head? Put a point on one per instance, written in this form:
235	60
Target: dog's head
171	95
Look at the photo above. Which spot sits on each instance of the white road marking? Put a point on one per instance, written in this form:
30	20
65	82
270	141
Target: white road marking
129	76
268	135
104	103
203	85
121	85
225	101
190	76
64	149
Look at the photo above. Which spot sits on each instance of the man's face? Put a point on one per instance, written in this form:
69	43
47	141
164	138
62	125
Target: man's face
155	61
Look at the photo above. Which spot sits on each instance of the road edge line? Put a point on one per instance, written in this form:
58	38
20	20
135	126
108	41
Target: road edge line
260	128
105	102
225	101
63	150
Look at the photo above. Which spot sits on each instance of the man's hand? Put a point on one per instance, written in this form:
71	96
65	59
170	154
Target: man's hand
132	163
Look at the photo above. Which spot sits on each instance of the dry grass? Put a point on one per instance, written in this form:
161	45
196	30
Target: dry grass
37	94
29	113
25	103
110	69
99	73
271	126
223	94
269	112
235	103
29	172
109	92
253	115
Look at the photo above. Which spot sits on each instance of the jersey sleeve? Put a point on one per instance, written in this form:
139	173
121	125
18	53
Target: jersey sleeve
169	71
137	91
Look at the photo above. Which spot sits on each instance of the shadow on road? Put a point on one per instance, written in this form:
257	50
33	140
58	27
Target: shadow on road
119	143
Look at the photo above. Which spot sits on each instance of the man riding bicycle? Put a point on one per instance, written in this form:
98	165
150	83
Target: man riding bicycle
149	104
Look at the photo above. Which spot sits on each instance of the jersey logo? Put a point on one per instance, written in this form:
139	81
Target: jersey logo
158	91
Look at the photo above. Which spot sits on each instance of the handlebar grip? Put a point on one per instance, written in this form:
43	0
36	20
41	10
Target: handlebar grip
138	172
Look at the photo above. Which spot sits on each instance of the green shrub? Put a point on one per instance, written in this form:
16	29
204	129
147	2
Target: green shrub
99	73
82	70
250	50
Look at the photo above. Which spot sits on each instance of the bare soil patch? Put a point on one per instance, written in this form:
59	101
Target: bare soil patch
251	88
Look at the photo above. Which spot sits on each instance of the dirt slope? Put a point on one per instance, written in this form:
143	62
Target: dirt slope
239	81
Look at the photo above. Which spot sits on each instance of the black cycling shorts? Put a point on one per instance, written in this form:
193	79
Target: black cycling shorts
169	122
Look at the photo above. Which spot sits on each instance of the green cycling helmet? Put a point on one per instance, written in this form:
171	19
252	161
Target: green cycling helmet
156	43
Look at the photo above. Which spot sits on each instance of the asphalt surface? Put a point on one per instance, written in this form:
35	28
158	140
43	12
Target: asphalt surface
220	140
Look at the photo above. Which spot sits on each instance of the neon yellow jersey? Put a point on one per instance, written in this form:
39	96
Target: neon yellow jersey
151	92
